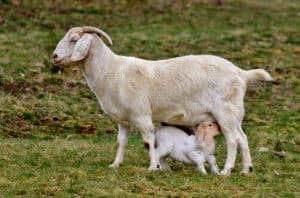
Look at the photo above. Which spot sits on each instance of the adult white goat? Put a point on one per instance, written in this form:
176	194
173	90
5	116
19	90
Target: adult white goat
185	90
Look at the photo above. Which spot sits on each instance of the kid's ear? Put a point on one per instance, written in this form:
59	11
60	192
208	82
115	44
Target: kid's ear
82	47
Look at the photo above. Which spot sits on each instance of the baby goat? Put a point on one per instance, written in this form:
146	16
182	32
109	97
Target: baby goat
195	149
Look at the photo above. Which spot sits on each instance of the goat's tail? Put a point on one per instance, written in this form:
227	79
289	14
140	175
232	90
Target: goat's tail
254	75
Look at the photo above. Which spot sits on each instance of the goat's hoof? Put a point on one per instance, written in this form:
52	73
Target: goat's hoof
114	165
247	171
154	168
226	172
166	169
203	173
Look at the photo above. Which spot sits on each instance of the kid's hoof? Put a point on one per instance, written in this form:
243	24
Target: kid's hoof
204	173
215	172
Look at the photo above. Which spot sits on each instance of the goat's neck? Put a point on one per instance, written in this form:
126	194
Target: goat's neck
98	64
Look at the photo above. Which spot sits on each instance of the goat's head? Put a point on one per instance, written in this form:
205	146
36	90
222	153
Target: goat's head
207	130
75	45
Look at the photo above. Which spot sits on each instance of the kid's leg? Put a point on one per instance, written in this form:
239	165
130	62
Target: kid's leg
211	159
197	159
161	152
164	165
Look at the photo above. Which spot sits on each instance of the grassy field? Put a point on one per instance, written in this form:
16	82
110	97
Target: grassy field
56	141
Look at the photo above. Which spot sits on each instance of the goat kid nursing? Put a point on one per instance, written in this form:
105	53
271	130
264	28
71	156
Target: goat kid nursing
193	149
184	90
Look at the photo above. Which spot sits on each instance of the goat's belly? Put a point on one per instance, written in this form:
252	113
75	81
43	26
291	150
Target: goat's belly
182	117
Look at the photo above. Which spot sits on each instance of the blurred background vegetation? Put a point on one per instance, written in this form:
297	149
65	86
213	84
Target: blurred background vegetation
38	98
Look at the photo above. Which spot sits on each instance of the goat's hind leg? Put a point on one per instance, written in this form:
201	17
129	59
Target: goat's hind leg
227	119
244	148
232	142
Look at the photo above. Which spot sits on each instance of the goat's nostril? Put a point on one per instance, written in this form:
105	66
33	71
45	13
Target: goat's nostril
54	56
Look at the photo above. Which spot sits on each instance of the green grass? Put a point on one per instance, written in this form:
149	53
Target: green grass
56	141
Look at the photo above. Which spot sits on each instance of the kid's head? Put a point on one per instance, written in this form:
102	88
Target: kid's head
206	130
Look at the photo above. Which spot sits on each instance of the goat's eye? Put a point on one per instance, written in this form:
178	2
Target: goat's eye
209	125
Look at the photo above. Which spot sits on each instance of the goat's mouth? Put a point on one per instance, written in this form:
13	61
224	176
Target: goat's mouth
57	62
64	63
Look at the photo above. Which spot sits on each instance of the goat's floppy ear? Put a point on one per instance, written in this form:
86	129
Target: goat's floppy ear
82	47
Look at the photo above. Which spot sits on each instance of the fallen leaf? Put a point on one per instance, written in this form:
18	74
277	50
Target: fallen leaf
263	149
276	172
39	65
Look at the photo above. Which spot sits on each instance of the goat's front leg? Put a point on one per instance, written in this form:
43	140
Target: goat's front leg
144	123
123	134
